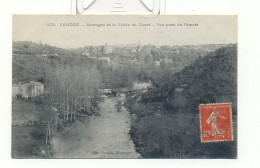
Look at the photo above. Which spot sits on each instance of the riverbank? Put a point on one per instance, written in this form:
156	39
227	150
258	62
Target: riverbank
157	133
104	136
29	130
35	124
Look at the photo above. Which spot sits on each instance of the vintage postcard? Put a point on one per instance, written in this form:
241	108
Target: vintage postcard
124	86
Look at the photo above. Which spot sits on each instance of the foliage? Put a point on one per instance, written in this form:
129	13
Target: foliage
167	123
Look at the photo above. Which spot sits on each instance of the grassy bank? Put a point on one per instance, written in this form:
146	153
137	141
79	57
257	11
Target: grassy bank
29	130
34	125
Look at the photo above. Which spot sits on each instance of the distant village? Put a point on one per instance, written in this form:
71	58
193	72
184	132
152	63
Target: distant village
113	55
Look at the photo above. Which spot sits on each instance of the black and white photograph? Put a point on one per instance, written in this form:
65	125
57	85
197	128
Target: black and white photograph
124	87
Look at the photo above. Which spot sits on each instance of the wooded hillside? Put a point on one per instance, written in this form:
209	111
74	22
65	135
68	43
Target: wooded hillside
168	114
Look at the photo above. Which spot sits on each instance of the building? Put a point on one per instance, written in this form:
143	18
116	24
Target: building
31	89
108	49
14	89
106	59
157	63
166	61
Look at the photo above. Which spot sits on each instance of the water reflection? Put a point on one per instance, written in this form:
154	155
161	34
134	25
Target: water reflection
98	137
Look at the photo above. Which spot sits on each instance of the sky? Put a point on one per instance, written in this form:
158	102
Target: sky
207	30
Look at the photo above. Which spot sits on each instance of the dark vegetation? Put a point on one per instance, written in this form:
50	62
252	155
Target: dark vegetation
167	124
30	48
29	130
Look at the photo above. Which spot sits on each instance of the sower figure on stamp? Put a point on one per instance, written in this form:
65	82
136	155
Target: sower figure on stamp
213	119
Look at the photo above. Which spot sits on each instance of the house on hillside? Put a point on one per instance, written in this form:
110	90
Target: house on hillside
163	62
108	49
105	59
14	89
31	89
53	56
44	55
167	61
157	63
85	54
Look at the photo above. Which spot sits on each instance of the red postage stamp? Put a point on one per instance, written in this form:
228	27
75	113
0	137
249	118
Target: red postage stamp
216	122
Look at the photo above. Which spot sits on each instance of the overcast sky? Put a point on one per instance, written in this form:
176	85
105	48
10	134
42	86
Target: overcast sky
210	30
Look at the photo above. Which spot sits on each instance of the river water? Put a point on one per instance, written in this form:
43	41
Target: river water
105	136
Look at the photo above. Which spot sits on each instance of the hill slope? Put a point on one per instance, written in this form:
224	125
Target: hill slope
170	127
212	79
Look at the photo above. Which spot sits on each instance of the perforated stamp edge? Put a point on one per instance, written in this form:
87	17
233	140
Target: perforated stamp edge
232	139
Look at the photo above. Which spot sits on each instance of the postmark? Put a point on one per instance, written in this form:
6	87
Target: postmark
216	122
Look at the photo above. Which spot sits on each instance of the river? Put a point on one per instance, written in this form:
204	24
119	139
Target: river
105	136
